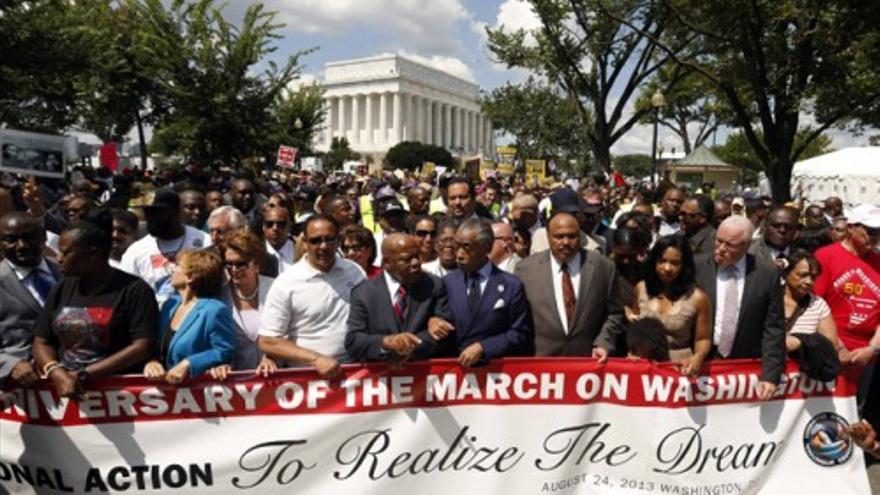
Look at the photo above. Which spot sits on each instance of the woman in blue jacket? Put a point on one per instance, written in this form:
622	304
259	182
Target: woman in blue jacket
196	331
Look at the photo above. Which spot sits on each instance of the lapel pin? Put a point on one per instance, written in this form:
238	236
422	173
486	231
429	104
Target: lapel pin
500	288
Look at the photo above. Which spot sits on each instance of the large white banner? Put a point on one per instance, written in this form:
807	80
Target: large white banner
519	426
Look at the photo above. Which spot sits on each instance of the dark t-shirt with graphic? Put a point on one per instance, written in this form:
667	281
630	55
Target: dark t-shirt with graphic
88	328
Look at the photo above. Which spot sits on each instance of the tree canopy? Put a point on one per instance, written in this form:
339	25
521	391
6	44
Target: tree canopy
541	121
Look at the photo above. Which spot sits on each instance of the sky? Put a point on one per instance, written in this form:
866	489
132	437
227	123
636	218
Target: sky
447	34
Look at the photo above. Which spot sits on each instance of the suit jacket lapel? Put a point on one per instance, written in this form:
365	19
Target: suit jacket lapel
17	287
388	304
748	288
547	281
586	274
490	294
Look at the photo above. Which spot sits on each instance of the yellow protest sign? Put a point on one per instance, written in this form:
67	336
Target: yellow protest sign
536	170
428	168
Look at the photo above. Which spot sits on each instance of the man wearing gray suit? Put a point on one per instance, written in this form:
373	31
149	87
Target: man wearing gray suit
401	314
745	294
573	294
25	281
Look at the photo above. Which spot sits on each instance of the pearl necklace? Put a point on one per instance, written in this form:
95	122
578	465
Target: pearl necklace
249	298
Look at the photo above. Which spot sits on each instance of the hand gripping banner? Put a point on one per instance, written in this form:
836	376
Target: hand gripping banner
517	426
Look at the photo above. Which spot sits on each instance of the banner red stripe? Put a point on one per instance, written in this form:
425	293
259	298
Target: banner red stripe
427	384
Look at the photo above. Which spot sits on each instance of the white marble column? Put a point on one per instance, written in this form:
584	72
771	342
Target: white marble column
328	130
383	118
397	117
446	126
459	127
478	131
438	123
418	125
429	121
341	129
469	139
355	120
369	128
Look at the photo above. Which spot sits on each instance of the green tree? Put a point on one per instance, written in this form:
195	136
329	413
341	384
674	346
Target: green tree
773	60
691	101
298	117
599	63
539	119
634	165
222	107
738	151
410	155
339	153
42	54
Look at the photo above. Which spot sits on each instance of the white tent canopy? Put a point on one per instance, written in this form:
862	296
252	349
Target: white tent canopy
852	174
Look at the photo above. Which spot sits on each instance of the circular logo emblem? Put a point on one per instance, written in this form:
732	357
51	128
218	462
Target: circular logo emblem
824	440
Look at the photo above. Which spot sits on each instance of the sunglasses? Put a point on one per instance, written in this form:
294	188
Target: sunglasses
317	241
236	265
425	233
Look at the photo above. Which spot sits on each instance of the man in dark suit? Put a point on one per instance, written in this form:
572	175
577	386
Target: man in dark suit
25	280
392	317
573	293
746	298
780	230
696	221
490	312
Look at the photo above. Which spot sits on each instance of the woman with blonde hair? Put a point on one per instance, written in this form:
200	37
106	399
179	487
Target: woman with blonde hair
196	331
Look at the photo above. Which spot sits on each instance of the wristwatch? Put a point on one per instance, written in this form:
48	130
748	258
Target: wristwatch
83	377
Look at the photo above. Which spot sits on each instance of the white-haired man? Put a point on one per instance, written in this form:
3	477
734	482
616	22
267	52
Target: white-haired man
746	298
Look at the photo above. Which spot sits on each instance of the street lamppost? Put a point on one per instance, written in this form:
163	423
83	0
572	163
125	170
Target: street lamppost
658	101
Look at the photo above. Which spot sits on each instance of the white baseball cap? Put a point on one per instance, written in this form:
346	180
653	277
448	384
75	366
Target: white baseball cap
867	215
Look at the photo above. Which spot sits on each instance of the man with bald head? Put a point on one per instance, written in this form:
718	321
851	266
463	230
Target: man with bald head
400	315
25	281
573	293
746	299
502	253
524	213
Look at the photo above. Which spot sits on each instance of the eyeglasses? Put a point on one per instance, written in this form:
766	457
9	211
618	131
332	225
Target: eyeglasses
690	215
234	266
446	242
353	247
426	233
317	241
268	224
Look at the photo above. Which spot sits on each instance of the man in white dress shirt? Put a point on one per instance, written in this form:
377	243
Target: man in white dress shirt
306	313
276	230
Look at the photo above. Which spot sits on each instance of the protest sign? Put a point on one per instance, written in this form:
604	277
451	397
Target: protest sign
33	153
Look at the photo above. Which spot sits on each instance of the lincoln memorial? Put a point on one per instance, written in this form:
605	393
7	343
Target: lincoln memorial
380	101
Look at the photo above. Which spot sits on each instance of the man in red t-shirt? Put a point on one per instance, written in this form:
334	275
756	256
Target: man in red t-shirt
850	284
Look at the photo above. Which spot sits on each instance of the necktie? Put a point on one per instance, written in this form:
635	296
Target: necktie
568	298
400	304
473	295
730	312
41	282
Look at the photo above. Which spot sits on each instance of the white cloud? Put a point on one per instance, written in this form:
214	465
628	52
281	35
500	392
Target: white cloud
423	24
517	14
